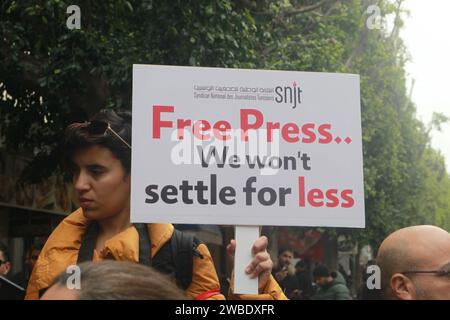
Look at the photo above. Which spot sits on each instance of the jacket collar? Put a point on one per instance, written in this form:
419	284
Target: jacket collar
125	245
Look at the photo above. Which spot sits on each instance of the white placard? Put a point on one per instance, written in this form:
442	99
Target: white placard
301	164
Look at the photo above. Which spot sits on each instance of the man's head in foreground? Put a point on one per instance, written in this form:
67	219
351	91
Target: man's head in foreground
415	264
114	280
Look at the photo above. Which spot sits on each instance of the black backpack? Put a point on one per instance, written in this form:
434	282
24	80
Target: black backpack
174	258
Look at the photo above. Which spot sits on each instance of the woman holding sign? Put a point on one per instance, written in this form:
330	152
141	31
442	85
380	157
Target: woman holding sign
98	156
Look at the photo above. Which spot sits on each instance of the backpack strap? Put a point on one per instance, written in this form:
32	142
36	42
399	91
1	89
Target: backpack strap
145	245
86	251
181	244
175	258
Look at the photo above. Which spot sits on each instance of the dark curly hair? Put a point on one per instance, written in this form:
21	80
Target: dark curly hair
77	136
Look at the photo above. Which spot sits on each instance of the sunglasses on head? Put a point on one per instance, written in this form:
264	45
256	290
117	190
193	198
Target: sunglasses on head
97	127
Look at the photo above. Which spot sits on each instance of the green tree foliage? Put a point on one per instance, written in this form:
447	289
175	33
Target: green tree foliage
51	76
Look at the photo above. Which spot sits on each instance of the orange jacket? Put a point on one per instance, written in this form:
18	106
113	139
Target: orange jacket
61	251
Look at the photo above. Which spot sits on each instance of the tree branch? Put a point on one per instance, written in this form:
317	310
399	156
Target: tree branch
362	40
293	12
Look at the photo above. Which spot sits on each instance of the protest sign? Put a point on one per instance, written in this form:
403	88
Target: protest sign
246	147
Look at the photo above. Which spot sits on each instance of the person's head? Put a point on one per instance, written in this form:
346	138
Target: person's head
415	264
115	280
32	255
98	156
5	264
322	275
285	256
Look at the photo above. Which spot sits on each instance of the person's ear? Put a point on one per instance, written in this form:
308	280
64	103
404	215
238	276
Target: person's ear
402	287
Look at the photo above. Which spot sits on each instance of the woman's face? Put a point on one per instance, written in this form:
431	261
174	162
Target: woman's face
101	183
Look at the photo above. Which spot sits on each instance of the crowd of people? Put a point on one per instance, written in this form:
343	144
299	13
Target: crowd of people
121	260
299	283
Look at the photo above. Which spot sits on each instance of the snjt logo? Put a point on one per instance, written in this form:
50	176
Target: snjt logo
290	94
